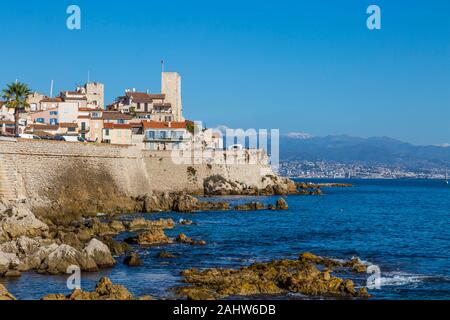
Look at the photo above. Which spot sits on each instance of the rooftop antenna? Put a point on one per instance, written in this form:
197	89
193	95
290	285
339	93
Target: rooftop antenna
51	89
162	65
89	76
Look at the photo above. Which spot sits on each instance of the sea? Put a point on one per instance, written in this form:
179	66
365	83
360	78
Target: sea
401	228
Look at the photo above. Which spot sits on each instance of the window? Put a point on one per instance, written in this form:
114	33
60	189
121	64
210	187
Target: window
40	120
53	113
71	129
168	118
53	121
121	121
106	132
139	106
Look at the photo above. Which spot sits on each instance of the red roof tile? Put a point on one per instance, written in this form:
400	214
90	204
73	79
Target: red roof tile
163	125
116	126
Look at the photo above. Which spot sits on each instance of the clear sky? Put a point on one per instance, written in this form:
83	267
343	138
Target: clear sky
310	66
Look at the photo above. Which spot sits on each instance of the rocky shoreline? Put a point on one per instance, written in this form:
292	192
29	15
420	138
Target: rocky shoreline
50	243
308	275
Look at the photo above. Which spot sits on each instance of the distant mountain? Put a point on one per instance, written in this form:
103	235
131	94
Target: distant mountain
370	151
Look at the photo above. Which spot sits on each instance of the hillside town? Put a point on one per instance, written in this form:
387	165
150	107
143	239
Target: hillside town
335	170
152	121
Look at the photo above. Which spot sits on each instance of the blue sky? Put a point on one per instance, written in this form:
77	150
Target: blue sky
309	66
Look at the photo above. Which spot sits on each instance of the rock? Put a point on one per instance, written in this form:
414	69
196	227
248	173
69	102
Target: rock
105	290
12	274
102	229
19	221
117	226
252	206
356	265
117	248
215	206
143	224
165	255
182	238
270	185
275	277
70	239
184	222
64	256
132	260
100	253
219	186
5	295
282	204
8	261
186	203
84	235
151	237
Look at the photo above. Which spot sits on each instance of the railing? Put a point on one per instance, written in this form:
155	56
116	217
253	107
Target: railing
169	139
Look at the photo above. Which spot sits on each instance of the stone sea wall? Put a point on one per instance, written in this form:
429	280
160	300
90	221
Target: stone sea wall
74	175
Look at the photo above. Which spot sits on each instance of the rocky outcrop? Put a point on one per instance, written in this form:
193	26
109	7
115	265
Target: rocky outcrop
182	238
100	253
5	295
105	290
270	185
165	255
281	204
178	202
132	260
17	221
309	275
151	237
42	255
64	256
142	224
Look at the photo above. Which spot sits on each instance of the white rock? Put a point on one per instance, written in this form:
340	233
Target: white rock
100	253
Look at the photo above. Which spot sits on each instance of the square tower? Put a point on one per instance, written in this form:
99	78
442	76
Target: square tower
171	87
95	94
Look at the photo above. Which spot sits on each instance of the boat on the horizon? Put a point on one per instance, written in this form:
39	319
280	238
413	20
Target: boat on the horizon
446	176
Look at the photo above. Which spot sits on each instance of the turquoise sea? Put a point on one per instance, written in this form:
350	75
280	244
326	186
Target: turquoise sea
402	226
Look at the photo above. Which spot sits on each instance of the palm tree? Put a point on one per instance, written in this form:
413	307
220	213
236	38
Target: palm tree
16	95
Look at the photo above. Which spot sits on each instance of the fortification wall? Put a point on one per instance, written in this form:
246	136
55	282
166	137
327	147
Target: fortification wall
65	173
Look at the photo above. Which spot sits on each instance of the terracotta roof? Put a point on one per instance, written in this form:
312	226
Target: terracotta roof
162	105
68	125
90	109
116	126
75	98
84	117
7	122
142	97
47	99
115	115
44	127
163	125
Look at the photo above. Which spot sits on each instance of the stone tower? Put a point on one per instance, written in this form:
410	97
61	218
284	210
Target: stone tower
95	94
171	87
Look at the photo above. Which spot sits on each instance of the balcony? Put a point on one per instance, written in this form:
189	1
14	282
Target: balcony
166	139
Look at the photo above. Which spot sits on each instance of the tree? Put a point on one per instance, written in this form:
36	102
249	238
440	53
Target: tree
16	95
